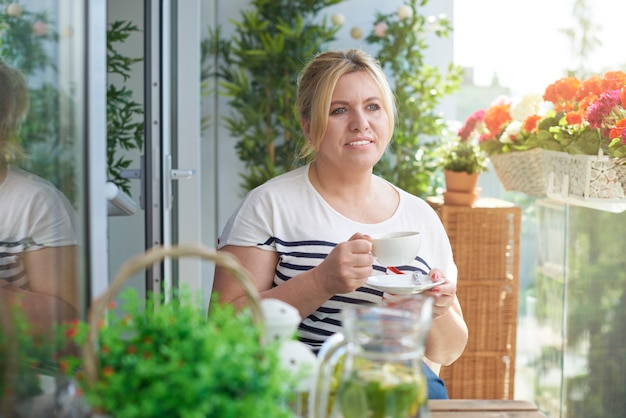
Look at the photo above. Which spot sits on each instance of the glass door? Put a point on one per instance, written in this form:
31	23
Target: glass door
169	177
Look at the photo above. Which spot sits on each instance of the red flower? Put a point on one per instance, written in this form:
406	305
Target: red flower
72	329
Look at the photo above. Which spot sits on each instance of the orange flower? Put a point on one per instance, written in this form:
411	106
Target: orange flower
590	89
64	366
623	96
562	93
613	80
131	350
574	118
618	130
108	371
496	117
530	124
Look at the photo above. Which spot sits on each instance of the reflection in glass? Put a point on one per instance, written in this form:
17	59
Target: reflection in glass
40	195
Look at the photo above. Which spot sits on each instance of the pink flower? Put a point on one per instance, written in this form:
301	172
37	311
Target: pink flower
471	123
380	29
602	109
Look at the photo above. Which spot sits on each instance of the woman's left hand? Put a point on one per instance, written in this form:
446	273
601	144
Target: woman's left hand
444	294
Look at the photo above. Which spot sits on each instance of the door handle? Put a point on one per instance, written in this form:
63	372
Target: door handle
172	174
176	174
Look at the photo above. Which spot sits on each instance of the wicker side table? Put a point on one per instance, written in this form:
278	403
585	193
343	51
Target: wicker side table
485	239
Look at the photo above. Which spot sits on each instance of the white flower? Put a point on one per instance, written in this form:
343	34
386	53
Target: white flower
338	19
356	32
513	129
14	10
525	106
405	12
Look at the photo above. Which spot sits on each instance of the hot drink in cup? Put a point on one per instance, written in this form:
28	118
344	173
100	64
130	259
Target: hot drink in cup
396	248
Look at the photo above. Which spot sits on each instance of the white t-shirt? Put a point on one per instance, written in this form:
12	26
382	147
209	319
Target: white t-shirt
287	215
33	215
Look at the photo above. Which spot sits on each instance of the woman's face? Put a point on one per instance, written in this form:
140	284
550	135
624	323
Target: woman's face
358	126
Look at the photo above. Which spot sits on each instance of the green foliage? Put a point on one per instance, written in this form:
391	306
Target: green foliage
411	160
257	68
174	362
125	125
462	156
27	354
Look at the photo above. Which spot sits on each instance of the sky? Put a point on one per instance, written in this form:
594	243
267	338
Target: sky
520	42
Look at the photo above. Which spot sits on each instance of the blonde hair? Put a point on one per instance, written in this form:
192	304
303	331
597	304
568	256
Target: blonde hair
13	109
317	81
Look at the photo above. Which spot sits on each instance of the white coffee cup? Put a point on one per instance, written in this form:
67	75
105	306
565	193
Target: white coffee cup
396	248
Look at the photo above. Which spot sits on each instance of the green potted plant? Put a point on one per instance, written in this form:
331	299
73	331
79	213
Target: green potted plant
171	359
462	161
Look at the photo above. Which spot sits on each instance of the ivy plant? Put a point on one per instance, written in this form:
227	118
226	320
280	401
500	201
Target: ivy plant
257	69
411	161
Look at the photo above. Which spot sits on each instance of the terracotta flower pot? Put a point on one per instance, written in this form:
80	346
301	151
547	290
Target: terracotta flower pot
461	188
460	181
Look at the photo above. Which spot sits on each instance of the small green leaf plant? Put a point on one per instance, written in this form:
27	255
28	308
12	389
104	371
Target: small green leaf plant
411	161
174	361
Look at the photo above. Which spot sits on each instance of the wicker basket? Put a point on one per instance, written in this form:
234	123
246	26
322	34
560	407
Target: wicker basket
596	182
521	171
485	241
140	263
585	176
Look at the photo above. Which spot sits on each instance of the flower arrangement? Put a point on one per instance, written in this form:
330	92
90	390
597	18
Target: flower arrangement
575	116
462	153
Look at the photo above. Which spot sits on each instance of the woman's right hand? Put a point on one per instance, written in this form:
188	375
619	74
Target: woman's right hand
347	266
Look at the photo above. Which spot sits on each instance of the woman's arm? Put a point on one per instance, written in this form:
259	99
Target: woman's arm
54	271
345	269
448	334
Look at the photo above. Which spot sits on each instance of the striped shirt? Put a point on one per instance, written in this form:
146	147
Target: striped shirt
33	215
288	216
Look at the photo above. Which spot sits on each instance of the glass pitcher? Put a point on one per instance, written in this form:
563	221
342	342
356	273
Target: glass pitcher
374	368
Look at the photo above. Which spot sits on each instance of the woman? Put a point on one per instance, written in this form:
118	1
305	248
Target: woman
38	260
304	235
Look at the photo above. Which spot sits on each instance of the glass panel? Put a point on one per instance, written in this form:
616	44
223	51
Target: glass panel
41	191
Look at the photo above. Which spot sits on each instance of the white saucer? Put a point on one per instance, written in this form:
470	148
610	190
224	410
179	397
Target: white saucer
401	284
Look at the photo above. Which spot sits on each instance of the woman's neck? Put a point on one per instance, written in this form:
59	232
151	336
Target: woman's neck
360	197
